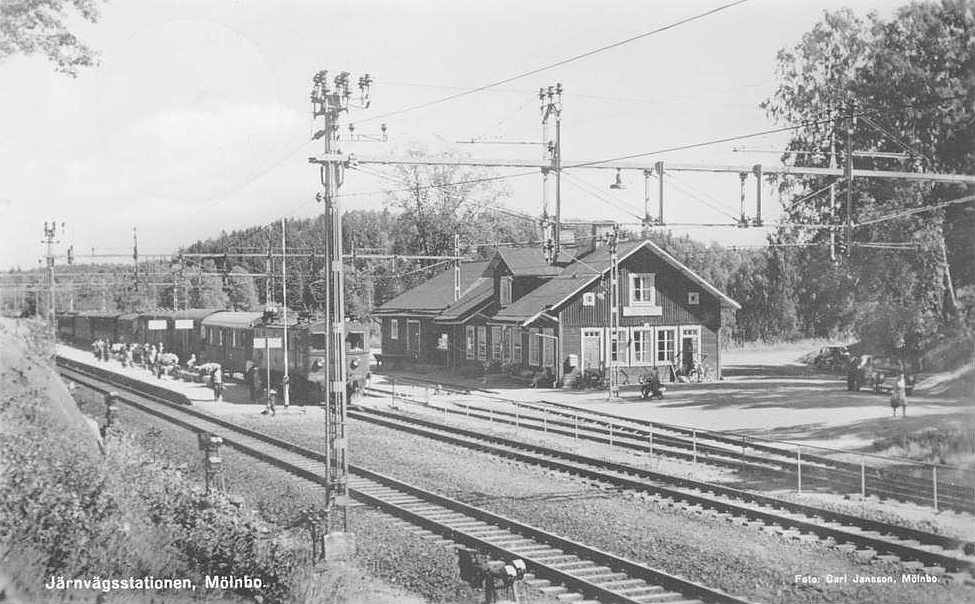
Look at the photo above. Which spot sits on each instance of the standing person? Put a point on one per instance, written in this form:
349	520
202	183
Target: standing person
898	396
853	375
218	384
254	380
127	362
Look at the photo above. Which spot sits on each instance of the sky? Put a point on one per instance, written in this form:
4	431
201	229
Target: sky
197	119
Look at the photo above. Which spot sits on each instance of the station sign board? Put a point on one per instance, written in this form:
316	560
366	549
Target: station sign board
267	343
184	323
157	324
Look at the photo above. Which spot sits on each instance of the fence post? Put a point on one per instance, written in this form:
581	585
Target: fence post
863	479
934	480
576	416
799	468
517	424
426	394
651	440
491	414
611	434
742	448
694	443
544	424
392	394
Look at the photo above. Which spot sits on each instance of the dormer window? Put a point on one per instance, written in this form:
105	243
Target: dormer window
505	291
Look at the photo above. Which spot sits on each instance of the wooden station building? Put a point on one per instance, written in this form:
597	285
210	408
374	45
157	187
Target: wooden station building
518	310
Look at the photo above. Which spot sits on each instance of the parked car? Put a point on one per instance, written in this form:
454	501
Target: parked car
833	358
879	373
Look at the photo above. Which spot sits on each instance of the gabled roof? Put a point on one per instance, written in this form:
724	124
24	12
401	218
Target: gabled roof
474	299
526	262
586	269
437	293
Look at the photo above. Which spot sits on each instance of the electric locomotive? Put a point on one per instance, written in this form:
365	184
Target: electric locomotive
308	355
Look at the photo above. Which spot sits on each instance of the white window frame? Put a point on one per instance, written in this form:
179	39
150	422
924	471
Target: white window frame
622	346
497	342
219	337
660	353
693	298
652	277
642	308
504	293
516	341
646	356
233	339
696	333
533	346
394	329
481	343
471	343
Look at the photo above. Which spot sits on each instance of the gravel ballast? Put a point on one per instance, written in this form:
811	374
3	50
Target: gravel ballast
741	560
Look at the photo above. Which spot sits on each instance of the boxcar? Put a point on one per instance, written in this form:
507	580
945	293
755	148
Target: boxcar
179	331
104	326
229	338
66	322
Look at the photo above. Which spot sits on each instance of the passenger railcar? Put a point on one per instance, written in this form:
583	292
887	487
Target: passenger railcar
307	356
229	338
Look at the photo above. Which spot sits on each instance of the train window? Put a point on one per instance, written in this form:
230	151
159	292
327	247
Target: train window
318	341
355	340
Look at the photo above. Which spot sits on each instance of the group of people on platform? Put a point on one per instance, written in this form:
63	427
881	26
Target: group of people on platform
158	361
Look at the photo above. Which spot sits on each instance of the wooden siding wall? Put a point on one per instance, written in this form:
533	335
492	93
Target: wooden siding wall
672	288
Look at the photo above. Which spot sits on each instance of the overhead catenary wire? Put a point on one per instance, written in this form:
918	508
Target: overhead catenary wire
911	212
680	185
558	63
729	139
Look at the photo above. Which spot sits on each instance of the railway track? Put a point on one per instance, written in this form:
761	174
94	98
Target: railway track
715	448
573	571
916	550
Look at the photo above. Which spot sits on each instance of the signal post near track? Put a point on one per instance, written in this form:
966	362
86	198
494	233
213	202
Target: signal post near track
329	101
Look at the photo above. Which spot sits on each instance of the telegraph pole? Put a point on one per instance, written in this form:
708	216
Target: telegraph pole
551	105
135	256
456	267
268	307
328	102
850	126
50	232
284	314
614	317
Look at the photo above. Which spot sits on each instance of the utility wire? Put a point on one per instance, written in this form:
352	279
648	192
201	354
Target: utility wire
763	132
593	191
911	212
558	63
680	184
811	195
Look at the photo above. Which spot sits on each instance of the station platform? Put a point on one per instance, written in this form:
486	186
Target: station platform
236	396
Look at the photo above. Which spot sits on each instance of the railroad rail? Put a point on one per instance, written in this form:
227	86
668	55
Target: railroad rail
576	567
717	448
915	549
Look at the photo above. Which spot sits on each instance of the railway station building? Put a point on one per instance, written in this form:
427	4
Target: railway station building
517	313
